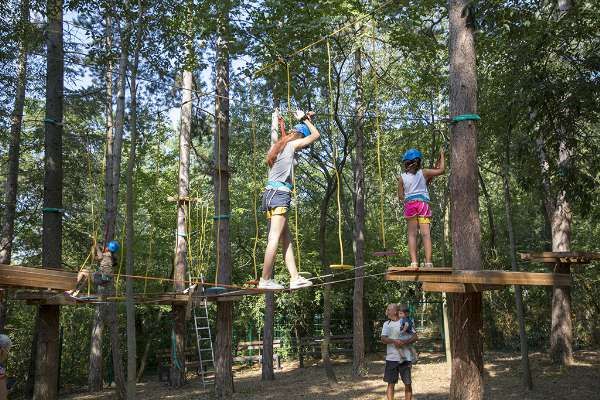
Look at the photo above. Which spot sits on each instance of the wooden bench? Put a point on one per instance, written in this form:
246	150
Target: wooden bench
311	346
242	349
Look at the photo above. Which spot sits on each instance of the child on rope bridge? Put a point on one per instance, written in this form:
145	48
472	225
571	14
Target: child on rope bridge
106	261
276	198
412	190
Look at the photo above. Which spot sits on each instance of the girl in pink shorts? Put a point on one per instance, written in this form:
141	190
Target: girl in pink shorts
412	190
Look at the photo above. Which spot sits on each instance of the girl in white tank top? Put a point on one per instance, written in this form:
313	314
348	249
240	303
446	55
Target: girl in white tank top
412	190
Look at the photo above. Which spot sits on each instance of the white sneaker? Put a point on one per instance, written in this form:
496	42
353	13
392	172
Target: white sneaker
300	282
269	284
428	265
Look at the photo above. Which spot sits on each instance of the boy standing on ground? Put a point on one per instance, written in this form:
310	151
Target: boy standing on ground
396	364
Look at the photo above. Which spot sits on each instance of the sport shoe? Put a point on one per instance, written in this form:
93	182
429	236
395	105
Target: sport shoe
414	265
428	265
300	282
269	284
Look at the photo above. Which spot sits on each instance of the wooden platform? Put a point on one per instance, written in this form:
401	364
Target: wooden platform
449	280
561	257
17	276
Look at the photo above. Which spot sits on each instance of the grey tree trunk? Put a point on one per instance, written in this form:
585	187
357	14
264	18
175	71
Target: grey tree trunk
46	366
526	371
490	211
467	324
359	366
14	150
224	326
95	382
181	256
130	200
561	338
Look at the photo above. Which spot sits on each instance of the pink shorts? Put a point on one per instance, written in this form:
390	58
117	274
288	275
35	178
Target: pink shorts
417	209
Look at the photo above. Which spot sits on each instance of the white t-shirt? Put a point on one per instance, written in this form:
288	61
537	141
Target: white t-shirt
415	186
391	329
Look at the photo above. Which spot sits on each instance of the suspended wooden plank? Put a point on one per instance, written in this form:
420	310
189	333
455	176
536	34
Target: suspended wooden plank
486	277
458	287
18	276
564	257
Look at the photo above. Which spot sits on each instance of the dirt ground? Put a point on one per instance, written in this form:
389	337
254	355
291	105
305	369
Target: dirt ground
430	381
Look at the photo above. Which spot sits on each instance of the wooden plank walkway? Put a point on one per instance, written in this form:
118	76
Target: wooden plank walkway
17	276
484	277
561	257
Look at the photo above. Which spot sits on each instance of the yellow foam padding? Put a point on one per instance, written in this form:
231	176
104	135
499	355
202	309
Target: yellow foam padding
276	211
340	266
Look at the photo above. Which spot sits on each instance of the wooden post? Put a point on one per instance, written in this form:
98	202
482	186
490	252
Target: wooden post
358	341
224	325
46	366
467	324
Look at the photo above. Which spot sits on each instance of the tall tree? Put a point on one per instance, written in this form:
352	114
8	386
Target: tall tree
130	267
181	256
358	341
467	323
14	150
95	363
526	371
224	325
46	366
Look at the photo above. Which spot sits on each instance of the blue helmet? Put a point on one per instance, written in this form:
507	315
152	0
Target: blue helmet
411	154
302	129
113	246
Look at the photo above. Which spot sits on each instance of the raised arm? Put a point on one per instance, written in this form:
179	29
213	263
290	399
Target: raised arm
440	167
275	126
307	141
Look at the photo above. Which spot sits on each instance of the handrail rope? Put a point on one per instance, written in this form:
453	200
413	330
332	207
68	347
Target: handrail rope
378	136
294	190
342	28
335	154
254	180
123	250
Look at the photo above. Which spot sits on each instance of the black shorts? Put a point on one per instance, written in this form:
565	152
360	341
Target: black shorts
272	198
393	369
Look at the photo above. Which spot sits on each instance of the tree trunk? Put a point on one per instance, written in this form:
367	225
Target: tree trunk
526	372
46	366
131	335
181	256
329	372
223	359
561	336
358	342
10	194
95	381
467	324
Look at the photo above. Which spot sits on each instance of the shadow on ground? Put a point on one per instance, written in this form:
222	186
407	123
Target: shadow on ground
431	381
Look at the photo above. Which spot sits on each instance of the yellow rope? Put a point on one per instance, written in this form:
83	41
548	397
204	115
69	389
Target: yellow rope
335	154
378	131
294	191
254	180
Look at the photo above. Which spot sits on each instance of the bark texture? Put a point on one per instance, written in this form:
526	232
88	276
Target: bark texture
359	366
46	366
224	325
467	324
181	255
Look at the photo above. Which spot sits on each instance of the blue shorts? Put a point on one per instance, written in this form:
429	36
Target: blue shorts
278	200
